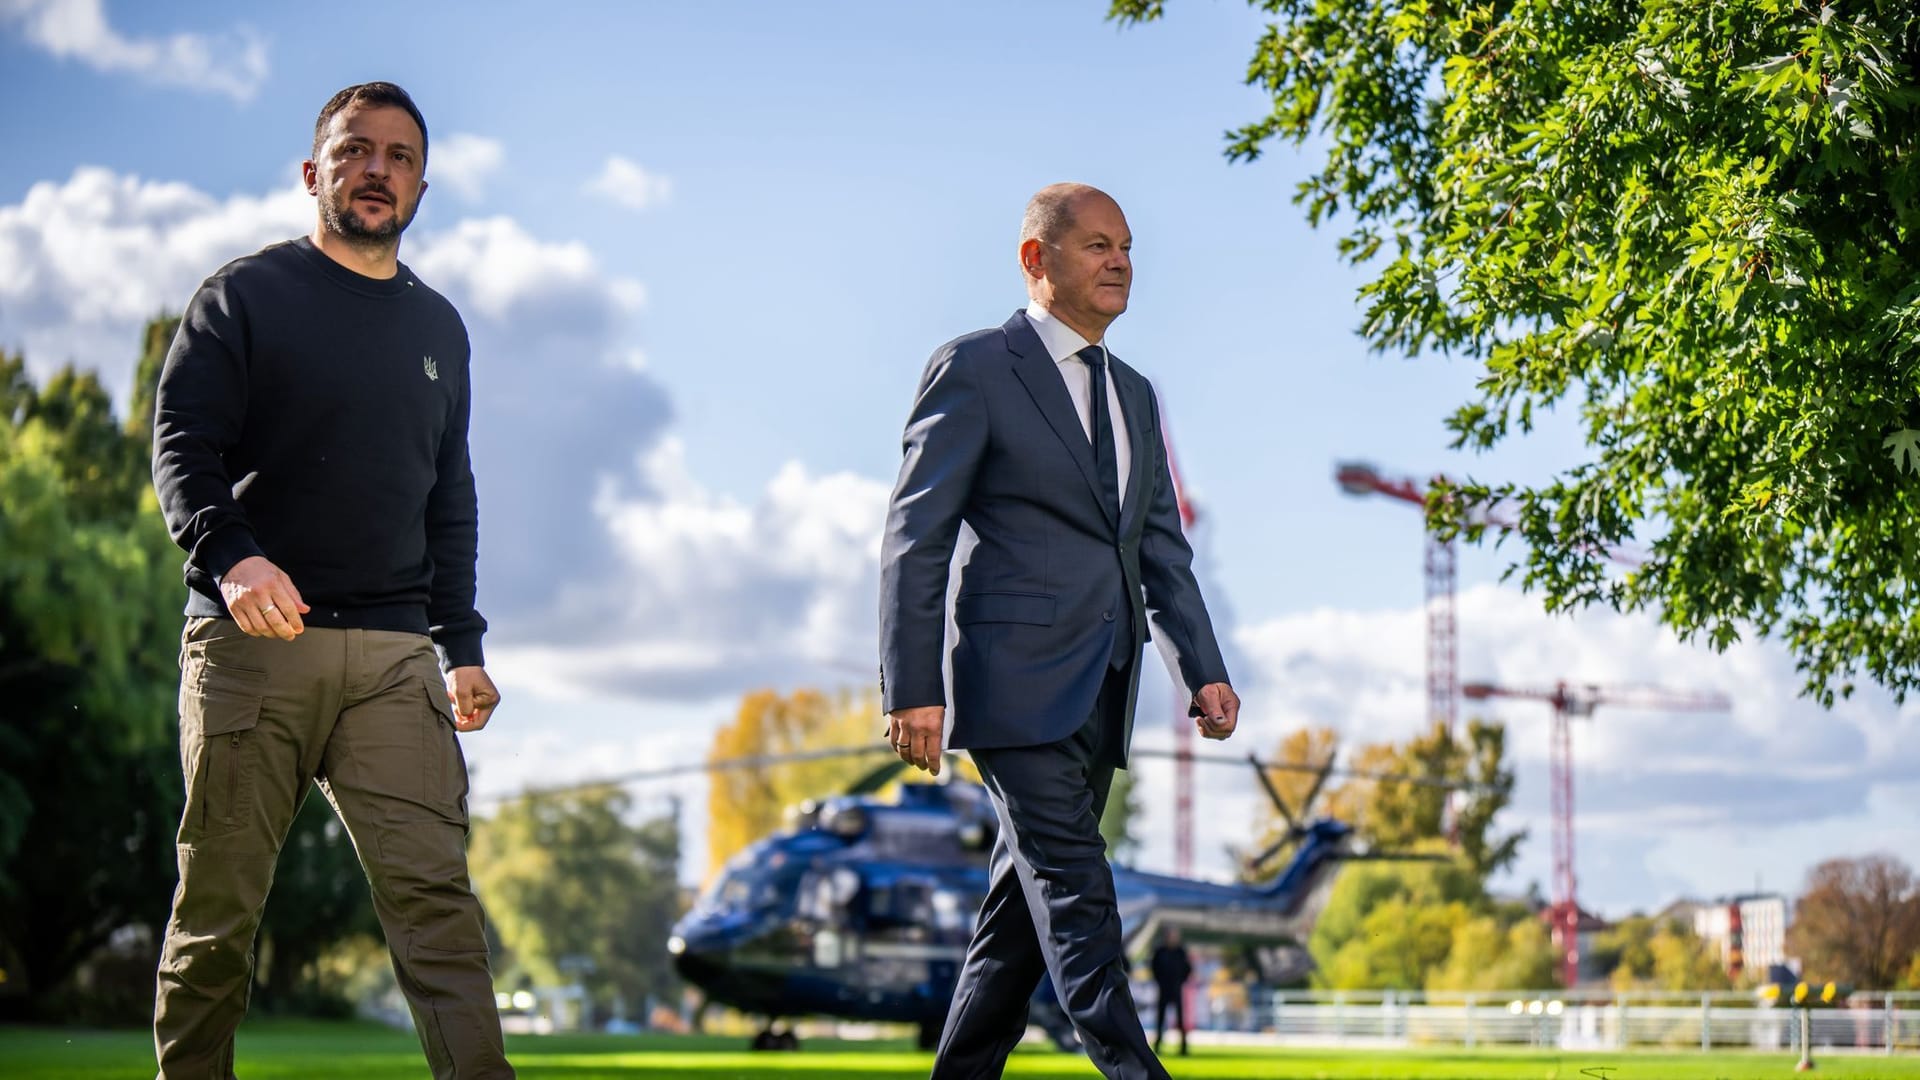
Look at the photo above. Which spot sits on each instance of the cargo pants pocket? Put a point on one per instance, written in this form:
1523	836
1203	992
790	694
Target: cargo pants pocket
445	764
219	712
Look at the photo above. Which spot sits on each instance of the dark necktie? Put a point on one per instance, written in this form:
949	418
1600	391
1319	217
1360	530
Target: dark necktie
1105	461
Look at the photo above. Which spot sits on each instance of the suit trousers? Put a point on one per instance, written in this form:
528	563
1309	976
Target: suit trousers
1050	909
365	713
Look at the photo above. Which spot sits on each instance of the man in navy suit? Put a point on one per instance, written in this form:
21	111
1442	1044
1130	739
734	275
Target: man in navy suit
1038	457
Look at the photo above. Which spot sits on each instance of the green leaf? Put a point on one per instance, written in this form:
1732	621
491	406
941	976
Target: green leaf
1905	445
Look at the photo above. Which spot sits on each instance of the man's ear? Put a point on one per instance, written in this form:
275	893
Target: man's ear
1033	258
310	176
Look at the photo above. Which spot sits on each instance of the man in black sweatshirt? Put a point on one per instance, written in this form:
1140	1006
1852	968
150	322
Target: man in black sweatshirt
310	454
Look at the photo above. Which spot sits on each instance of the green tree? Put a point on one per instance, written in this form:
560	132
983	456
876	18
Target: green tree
1486	768
1681	961
1400	943
1491	953
1395	816
89	595
1427	925
155	341
1387	925
1697	222
1398	814
1116	823
90	786
1643	953
577	890
1625	951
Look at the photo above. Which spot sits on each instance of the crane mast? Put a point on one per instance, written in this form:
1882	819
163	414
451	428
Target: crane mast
1443	637
1569	701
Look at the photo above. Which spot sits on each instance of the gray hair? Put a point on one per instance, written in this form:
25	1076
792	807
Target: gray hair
1050	211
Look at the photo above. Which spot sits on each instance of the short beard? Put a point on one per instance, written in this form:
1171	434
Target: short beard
342	221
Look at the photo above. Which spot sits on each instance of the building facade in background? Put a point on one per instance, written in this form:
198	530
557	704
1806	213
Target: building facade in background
1750	931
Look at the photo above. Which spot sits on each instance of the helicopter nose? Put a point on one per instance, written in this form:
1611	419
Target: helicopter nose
695	954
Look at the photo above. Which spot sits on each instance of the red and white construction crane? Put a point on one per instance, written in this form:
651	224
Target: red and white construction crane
1579	700
1443	636
1443	679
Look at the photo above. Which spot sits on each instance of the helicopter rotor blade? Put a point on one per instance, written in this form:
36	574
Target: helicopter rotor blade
882	775
1319	781
1259	862
1303	767
1273	793
759	761
692	768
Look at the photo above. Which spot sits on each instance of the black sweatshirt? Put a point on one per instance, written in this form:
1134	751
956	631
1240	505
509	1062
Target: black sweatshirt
319	418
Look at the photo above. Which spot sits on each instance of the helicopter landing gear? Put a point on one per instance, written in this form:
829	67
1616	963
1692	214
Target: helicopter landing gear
776	1038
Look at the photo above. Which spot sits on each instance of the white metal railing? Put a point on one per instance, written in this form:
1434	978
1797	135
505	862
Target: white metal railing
1877	1020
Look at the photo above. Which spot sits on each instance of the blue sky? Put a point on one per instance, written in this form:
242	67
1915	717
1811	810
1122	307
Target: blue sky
704	250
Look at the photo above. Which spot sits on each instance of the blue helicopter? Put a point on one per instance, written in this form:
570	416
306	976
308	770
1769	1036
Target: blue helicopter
862	908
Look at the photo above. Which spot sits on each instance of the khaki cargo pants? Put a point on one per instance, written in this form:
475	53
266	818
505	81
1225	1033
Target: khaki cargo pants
365	713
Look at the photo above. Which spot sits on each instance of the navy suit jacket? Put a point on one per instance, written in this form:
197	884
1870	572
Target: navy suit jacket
998	468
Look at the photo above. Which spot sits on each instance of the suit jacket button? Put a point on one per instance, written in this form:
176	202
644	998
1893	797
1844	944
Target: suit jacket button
1107	615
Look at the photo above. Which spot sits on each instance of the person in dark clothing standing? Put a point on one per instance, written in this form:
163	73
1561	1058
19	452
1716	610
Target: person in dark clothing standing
310	454
1171	970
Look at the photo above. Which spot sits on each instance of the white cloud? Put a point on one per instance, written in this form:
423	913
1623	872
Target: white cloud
84	263
713	596
629	185
502	271
464	163
233	64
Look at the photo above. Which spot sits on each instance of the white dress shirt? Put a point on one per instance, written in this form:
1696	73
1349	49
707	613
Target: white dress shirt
1062	343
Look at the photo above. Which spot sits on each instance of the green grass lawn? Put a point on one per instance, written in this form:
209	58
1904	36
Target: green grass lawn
291	1050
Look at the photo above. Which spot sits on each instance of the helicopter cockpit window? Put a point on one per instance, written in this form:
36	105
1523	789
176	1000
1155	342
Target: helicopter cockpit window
736	890
921	838
748	882
824	895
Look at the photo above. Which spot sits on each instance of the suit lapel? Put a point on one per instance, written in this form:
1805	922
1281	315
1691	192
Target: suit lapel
1041	376
1134	404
